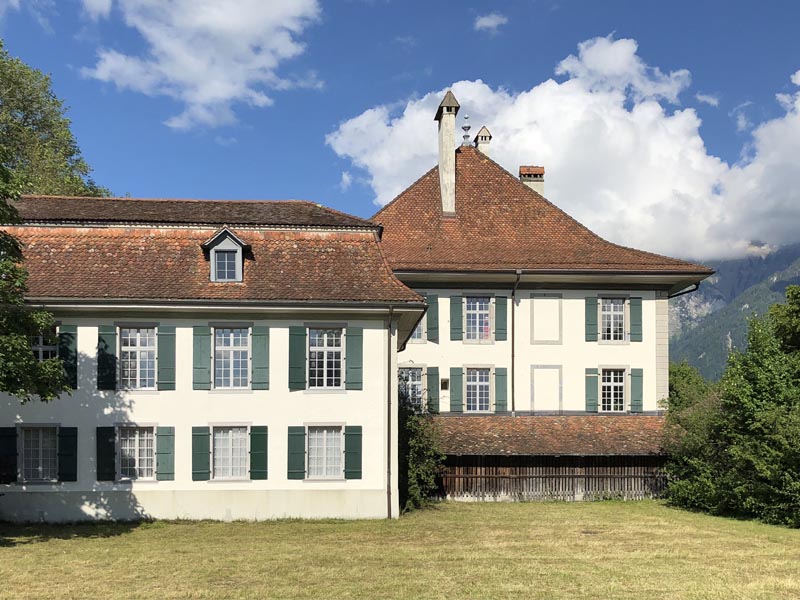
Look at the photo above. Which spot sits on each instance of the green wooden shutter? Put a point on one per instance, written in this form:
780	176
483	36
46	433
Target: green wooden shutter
107	358
260	363
354	358
591	319
165	453
636	319
8	454
433	317
68	454
433	389
201	357
106	438
297	358
456	318
501	318
591	390
166	357
456	390
637	390
500	389
258	451
201	454
297	453
352	452
68	353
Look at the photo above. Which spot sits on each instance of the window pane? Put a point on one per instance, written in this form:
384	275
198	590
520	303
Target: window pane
478	326
417	333
225	262
39	453
612	319
478	390
411	378
137	358
136	452
324	358
230	452
325	452
231	357
612	394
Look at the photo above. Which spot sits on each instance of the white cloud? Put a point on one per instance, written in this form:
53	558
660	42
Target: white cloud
709	99
739	113
616	159
346	181
210	55
491	22
6	5
97	9
41	10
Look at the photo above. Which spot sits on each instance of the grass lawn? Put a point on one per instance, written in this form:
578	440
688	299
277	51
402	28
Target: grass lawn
553	550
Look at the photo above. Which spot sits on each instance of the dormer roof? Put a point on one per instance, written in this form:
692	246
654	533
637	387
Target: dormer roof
221	235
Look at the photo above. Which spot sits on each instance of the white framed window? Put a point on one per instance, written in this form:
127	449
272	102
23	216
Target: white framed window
612	319
478	390
45	346
477	318
230	452
412	380
136	455
324	358
612	390
231	357
325	452
39	453
418	335
137	365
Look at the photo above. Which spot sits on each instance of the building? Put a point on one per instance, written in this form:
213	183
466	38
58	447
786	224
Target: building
535	324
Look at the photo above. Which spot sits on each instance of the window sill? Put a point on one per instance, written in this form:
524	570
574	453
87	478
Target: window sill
231	391
140	391
613	342
132	481
479	342
324	480
340	390
38	482
222	480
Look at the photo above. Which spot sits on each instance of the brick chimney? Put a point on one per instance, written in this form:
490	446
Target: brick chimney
482	140
533	177
446	116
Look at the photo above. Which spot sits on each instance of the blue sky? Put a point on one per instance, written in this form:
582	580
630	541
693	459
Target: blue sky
330	104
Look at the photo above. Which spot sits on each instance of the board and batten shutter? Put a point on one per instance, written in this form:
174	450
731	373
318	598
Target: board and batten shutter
636	319
296	467
8	454
107	357
637	390
201	453
166	357
432	377
201	357
259	439
165	453
68	454
501	318
456	390
433	317
260	361
297	358
352	452
354	358
456	318
68	353
501	389
106	442
591	319
591	390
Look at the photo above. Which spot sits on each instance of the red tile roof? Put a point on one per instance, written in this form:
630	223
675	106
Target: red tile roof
579	435
500	224
531	170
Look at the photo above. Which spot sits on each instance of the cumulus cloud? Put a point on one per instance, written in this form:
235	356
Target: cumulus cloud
491	22
209	55
618	158
709	99
739	112
97	9
346	181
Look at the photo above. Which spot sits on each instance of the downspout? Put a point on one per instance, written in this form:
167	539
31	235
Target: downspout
513	342
389	383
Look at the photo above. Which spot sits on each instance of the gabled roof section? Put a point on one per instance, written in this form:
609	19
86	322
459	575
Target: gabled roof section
220	235
500	224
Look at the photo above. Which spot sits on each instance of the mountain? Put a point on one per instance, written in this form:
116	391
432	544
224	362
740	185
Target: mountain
704	325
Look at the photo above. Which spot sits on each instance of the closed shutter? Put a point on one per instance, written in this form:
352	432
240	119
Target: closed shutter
296	467
456	318
456	390
297	358
354	358
591	319
501	318
258	451
107	358
106	438
165	453
260	363
201	357
166	357
68	353
352	452
433	389
8	454
637	390
501	389
432	317
68	454
636	319
591	390
201	454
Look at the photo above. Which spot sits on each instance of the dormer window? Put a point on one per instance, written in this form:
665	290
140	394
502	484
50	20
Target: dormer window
225	265
226	254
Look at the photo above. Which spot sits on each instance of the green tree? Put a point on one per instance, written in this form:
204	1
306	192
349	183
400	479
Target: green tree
687	386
